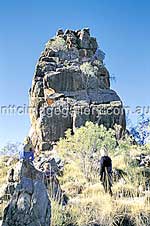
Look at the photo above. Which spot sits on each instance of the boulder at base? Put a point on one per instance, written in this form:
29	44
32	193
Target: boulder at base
30	205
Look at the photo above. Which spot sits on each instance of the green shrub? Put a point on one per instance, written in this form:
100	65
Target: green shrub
57	44
84	146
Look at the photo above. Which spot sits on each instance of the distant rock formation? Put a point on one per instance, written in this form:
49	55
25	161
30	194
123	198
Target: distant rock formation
29	204
71	85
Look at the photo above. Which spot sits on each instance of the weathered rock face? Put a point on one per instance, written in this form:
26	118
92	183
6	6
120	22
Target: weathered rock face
30	204
70	86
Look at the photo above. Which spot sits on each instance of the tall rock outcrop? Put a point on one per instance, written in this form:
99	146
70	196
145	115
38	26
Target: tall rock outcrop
71	85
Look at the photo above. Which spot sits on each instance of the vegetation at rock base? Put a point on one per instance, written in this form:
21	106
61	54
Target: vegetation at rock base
85	146
88	204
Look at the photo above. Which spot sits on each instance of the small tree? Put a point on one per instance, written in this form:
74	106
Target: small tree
84	146
10	149
141	131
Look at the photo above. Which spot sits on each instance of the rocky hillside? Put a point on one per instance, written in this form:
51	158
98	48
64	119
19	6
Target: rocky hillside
72	194
71	85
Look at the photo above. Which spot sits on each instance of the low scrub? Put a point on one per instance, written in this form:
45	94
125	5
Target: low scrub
88	204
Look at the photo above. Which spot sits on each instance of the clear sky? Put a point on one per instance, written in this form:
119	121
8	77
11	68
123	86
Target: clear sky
122	28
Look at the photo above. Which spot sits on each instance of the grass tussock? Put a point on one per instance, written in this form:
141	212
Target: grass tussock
101	209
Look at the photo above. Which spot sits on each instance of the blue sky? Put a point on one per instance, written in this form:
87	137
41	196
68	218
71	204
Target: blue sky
121	28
